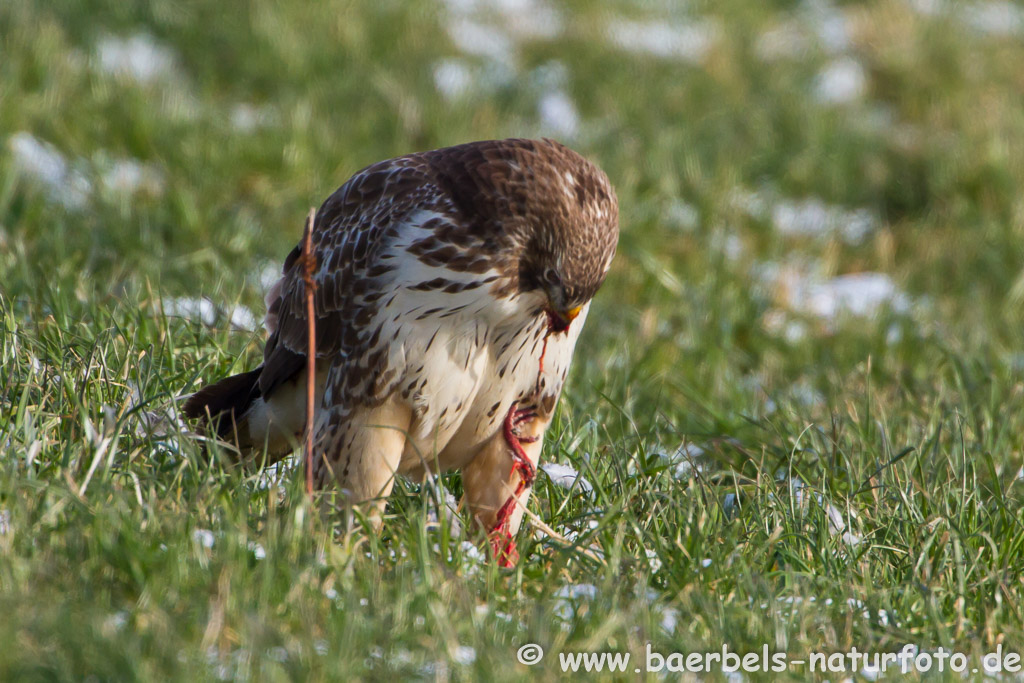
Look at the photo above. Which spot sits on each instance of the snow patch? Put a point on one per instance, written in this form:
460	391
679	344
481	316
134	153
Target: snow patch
203	537
246	118
995	18
567	597
836	522
449	509
138	57
45	165
453	78
522	19
464	655
842	81
482	40
796	288
566	476
858	294
190	308
204	311
669	619
829	24
814	218
682	214
685	460
689	42
161	421
558	115
653	561
131	176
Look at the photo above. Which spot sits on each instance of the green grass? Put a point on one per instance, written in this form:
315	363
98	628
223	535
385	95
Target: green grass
908	422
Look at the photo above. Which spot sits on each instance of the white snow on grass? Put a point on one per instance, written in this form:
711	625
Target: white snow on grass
818	22
558	115
814	218
268	274
68	183
247	118
190	308
44	165
449	509
566	476
41	160
669	619
837	526
653	561
203	537
683	215
577	591
522	19
492	31
159	420
928	8
790	605
481	40
998	18
464	655
131	176
274	474
687	42
755	203
243	318
139	57
842	81
473	557
995	18
857	294
205	311
453	78
569	596
829	24
684	461
801	289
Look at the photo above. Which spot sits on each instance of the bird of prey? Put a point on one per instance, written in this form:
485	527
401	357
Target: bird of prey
450	289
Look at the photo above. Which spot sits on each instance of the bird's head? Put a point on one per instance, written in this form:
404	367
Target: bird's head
549	215
573	231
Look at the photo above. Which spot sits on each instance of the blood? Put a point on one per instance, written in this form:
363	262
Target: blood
543	352
502	543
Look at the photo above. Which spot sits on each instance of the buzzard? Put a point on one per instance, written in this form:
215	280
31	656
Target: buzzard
450	289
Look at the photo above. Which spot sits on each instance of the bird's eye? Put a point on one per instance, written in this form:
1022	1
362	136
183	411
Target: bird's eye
552	277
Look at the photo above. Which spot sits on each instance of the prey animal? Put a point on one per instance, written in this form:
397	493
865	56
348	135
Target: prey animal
450	289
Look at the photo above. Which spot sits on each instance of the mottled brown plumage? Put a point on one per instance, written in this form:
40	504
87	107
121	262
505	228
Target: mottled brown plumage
442	278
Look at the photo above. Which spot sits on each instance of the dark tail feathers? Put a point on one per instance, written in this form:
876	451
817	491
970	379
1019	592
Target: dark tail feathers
225	401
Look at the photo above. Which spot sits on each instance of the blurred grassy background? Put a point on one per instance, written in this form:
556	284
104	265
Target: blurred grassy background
797	402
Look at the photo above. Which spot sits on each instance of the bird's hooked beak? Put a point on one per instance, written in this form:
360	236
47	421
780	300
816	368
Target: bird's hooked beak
559	321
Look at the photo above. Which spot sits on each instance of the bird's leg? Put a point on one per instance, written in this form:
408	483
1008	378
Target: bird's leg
502	543
359	451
